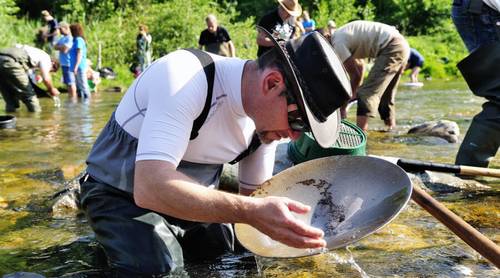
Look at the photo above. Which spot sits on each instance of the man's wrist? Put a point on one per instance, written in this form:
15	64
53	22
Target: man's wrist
246	209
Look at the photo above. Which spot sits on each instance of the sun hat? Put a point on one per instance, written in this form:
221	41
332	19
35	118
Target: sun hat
318	82
292	7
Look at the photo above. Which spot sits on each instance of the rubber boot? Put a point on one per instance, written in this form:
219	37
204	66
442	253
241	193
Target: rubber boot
480	71
480	144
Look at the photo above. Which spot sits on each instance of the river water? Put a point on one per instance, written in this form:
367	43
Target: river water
48	149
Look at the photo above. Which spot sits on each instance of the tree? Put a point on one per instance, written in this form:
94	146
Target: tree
414	18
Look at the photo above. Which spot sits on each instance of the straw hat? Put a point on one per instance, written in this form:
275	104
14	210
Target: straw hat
292	7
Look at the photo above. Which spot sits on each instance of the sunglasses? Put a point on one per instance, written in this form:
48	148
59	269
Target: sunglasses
295	119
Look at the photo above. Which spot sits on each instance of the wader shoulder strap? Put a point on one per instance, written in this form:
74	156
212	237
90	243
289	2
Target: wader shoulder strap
209	67
254	144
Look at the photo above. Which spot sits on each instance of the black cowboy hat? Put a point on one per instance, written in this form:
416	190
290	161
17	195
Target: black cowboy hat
318	82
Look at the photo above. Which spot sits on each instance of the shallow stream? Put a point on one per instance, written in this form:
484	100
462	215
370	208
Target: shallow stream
48	149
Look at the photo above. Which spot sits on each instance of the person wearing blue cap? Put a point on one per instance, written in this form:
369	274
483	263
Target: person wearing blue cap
415	63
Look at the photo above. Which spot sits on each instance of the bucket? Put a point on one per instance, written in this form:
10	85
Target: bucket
7	121
351	141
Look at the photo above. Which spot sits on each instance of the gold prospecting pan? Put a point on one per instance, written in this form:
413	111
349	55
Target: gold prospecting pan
350	198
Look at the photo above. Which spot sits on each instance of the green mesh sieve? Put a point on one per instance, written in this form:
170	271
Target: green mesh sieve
350	136
351	141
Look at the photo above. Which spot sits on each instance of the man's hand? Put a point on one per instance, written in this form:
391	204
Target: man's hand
273	216
57	101
54	92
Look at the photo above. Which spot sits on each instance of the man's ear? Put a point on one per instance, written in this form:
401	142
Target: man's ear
274	82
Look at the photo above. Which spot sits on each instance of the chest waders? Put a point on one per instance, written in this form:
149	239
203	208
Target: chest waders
209	68
481	72
138	241
14	80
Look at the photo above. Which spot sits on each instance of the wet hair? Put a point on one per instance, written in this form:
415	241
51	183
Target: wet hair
77	30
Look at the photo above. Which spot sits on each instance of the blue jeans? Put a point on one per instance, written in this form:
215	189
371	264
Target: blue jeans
82	85
475	29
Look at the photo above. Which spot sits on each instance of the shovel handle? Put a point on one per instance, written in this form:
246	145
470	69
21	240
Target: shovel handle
462	229
417	166
478	171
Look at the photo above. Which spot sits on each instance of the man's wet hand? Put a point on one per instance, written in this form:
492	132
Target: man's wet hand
273	216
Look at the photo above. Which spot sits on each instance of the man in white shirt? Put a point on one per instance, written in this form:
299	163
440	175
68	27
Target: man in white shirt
16	63
149	190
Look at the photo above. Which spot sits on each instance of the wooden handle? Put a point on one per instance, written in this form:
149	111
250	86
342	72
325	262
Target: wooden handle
417	165
462	229
478	171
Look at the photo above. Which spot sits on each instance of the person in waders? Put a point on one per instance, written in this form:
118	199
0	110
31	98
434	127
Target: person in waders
478	23
16	65
149	191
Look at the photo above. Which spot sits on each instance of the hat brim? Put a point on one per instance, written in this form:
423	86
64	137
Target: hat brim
326	132
296	12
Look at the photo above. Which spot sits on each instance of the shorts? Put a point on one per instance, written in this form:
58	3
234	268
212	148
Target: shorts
68	76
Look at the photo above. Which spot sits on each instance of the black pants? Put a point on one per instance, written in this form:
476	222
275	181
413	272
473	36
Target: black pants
142	243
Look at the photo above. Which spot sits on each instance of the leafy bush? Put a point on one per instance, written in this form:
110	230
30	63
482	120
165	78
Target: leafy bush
412	17
341	11
441	52
177	24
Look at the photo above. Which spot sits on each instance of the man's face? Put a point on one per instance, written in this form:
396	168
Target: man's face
268	136
273	123
211	25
